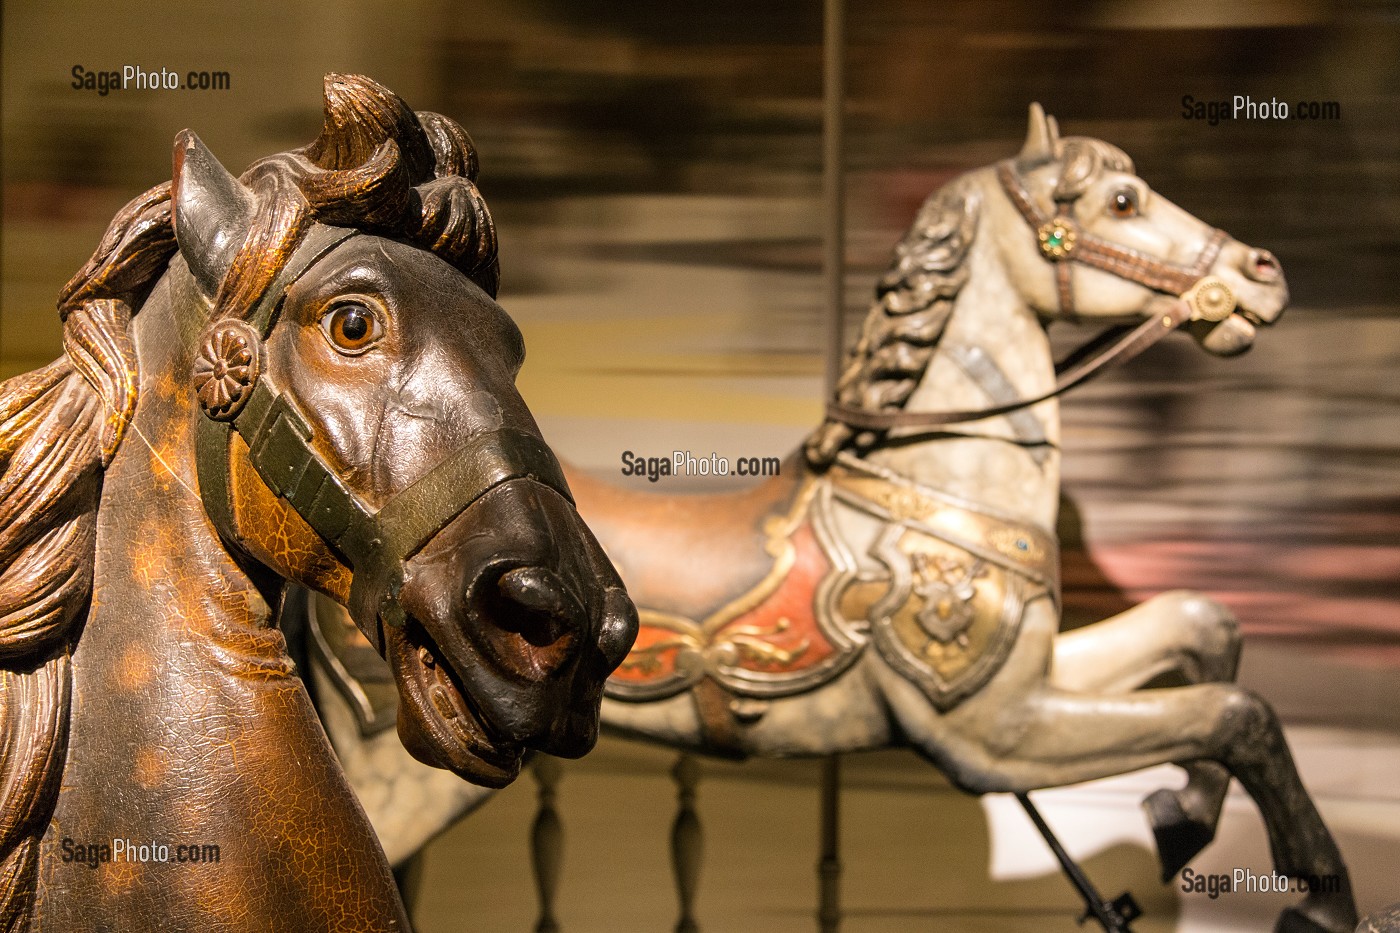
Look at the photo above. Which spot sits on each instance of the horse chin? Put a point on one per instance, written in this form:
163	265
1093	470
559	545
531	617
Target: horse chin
1229	337
437	723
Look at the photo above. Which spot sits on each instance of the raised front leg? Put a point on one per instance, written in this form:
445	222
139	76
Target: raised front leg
1179	633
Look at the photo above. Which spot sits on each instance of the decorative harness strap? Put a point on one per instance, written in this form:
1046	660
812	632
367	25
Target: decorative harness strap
1014	544
376	544
1199	297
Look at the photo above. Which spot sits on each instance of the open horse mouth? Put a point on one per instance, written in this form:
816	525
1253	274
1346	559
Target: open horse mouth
437	722
515	618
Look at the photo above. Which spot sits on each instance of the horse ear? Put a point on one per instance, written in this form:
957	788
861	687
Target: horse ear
1040	139
212	212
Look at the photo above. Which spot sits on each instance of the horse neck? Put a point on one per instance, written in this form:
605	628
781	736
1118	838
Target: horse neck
185	702
155	545
982	461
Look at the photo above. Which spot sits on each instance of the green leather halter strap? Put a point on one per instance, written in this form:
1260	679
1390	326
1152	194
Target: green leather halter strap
280	447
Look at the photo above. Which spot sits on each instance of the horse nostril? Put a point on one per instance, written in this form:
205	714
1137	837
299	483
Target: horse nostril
619	626
543	611
1261	266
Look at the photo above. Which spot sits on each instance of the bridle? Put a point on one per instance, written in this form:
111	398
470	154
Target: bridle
1199	297
375	543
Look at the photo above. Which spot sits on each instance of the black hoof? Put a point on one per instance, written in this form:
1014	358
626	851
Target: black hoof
1179	837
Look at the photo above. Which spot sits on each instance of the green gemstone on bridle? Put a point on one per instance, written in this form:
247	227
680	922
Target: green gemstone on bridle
1056	239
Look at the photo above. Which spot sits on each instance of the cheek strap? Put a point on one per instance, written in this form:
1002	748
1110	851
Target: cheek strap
1062	243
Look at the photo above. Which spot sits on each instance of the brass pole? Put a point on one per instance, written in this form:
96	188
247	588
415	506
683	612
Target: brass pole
833	185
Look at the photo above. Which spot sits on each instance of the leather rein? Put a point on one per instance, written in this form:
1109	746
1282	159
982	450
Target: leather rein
375	543
1199	297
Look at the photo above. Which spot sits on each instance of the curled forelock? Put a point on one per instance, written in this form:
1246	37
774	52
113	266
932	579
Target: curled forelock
378	167
1081	159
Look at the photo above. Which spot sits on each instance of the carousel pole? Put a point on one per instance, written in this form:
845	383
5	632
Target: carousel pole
834	186
834	290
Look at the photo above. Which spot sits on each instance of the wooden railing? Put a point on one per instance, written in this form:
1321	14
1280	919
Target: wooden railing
687	844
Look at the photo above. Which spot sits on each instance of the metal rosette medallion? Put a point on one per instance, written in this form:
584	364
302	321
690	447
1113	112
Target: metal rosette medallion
1210	299
227	368
1057	238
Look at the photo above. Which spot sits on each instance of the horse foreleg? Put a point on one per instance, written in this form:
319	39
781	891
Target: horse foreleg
1182	633
1058	737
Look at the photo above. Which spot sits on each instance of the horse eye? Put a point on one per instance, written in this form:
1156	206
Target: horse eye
351	328
1124	203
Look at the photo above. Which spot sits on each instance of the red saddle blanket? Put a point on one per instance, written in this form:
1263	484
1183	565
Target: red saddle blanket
767	642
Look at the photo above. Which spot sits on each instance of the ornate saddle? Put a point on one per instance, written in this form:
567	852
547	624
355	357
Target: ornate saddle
776	591
724	585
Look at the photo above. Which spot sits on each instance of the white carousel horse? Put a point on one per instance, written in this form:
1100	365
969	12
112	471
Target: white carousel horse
898	584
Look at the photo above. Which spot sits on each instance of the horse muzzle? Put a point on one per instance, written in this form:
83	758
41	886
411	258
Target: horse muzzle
1259	291
514	618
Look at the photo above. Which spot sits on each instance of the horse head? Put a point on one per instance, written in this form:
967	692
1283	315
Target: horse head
360	432
1096	243
1063	231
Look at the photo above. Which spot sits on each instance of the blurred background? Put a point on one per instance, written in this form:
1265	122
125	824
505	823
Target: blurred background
654	170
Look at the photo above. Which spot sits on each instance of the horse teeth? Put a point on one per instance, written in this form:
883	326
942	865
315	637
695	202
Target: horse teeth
442	702
426	657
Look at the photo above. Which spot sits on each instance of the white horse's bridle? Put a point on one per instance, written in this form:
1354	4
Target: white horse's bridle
1199	297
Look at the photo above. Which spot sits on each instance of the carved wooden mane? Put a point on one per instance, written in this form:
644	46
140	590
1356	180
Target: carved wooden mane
905	322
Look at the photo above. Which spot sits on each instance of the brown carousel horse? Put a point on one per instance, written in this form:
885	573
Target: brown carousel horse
898	584
299	374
